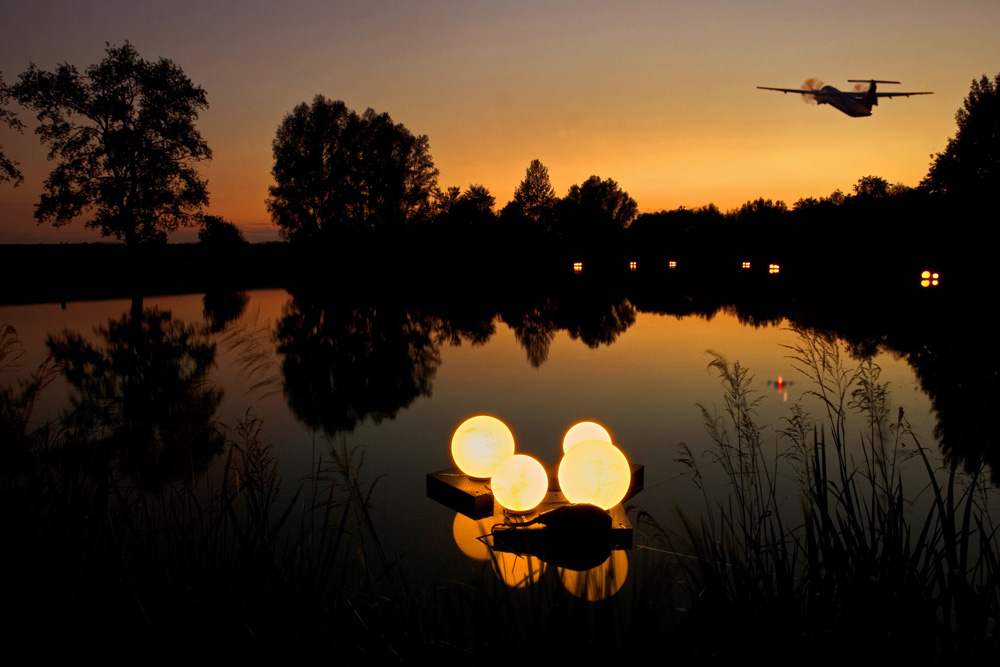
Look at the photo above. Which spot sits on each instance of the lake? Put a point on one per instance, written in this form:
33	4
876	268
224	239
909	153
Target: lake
392	382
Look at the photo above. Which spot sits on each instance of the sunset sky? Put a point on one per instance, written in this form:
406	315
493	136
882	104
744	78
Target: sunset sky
660	96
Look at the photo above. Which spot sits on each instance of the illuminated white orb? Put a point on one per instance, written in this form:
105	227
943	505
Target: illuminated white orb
584	431
594	472
519	483
480	444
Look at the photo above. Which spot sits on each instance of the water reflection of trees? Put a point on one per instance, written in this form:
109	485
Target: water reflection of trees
142	395
344	364
534	329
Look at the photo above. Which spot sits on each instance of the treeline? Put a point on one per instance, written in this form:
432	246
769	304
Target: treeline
359	186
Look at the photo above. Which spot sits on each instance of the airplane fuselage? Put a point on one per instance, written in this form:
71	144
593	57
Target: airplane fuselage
845	102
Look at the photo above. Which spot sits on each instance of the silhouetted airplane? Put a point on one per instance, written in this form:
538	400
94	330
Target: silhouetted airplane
855	103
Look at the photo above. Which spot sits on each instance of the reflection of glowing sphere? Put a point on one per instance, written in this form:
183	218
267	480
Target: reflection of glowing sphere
517	571
584	431
594	472
467	532
597	583
519	483
479	444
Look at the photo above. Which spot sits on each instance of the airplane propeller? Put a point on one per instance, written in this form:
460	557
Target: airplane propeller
811	83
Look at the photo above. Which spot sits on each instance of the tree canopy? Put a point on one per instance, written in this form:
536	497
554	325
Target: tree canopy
336	171
970	164
8	167
598	205
124	136
219	233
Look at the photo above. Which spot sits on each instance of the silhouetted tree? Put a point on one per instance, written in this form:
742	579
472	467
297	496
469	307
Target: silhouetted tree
336	171
871	187
970	164
125	139
603	203
534	197
8	167
219	233
805	202
681	230
474	207
836	197
757	210
445	199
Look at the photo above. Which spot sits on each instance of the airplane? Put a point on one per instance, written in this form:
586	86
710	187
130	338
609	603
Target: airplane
855	103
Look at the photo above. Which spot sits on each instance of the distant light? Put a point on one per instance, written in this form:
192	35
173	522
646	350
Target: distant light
594	472
633	265
774	268
746	265
672	264
519	483
929	279
480	444
577	267
584	431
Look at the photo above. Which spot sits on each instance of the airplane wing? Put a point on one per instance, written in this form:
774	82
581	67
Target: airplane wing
801	91
900	94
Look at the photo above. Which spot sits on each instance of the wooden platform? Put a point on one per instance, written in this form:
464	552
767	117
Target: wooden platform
474	498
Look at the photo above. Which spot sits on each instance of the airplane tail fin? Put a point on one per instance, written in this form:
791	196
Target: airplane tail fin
871	99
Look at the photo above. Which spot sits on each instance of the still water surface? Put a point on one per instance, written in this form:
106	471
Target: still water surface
644	383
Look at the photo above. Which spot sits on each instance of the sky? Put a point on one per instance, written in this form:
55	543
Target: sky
660	96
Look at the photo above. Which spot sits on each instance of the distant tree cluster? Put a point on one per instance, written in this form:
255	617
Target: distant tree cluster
336	172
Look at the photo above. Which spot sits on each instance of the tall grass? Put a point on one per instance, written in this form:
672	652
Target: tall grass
887	556
232	565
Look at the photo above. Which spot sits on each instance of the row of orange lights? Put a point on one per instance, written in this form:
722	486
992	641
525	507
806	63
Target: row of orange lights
592	469
929	279
633	266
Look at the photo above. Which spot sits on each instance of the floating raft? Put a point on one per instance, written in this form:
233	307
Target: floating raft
474	498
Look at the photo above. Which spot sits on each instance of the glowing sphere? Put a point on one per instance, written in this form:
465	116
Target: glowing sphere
584	431
480	444
594	472
519	483
467	533
597	583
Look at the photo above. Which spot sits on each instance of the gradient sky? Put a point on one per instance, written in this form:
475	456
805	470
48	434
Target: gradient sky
661	96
